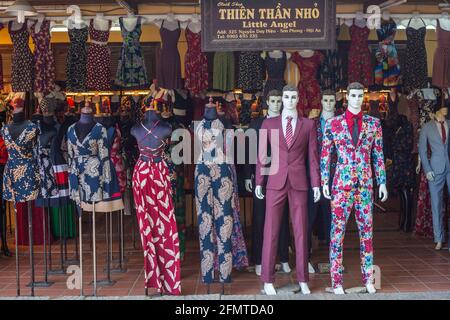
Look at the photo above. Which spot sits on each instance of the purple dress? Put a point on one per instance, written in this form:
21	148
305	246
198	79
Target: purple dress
169	65
22	59
44	63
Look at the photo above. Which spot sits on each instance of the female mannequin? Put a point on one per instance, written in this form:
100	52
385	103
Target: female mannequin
3	160
194	25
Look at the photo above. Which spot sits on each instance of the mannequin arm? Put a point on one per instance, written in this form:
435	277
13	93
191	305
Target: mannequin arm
248	185
314	165
316	194
423	140
262	159
378	156
326	192
383	193
419	163
259	192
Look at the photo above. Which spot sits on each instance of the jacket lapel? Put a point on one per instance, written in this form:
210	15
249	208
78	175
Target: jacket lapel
281	133
363	132
297	130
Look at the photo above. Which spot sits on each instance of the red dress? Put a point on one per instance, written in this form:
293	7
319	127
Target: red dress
308	86
117	160
1	64
359	57
196	64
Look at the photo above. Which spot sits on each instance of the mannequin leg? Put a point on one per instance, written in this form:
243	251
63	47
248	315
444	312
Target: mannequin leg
409	212
259	211
16	236
312	210
325	209
285	236
436	194
30	239
403	208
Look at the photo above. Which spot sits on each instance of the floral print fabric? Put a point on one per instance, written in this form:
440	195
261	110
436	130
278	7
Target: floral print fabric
415	75
196	64
22	59
77	59
387	71
275	74
1	63
251	71
44	62
359	57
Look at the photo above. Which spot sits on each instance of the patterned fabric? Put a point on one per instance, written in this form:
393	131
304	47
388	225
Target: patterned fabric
308	86
387	71
214	202
331	70
441	65
77	59
117	160
224	73
21	178
98	60
44	63
275	74
131	71
359	57
89	166
415	75
289	133
403	171
22	59
168	64
196	64
1	63
156	218
251	71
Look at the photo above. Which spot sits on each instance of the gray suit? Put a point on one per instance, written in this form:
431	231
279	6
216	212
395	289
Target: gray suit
439	164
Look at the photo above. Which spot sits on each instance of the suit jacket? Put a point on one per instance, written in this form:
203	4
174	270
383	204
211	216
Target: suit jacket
288	163
430	136
249	169
354	163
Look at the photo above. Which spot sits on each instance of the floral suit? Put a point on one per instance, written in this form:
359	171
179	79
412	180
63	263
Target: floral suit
352	186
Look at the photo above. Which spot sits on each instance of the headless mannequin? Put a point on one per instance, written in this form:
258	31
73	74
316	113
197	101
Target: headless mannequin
416	22
18	125
100	23
444	22
275	54
85	124
170	23
48	129
194	25
306	53
130	22
3	232
290	100
160	130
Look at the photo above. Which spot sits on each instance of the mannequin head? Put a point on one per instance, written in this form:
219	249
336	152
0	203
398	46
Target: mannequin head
441	112
290	98
355	97
329	101
274	101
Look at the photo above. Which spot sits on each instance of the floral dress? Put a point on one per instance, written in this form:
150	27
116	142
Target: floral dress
275	74
21	178
44	62
331	70
251	71
77	59
196	64
131	71
1	63
359	57
387	71
22	59
415	74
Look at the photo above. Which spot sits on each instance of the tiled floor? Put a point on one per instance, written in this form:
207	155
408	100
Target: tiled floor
408	264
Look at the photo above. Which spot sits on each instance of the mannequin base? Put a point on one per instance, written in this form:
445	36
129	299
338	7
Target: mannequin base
285	267
269	289
339	290
311	268
104	283
438	246
370	288
304	288
258	270
42	284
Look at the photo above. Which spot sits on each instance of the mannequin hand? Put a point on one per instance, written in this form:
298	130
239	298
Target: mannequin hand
248	185
430	176
419	163
326	192
259	192
316	194
383	193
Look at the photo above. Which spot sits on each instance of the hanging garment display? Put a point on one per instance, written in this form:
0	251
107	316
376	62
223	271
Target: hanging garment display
251	71
168	66
44	62
403	170
117	160
131	71
359	57
387	70
98	75
196	64
331	71
441	66
224	71
22	59
214	202
308	86
275	74
21	178
415	74
77	58
1	63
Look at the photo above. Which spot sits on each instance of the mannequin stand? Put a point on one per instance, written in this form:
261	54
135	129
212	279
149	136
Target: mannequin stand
61	270
76	259
121	259
108	237
80	232
16	236
30	240
208	288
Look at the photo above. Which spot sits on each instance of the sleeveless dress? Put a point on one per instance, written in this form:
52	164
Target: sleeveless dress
331	71
251	71
98	60
131	71
441	66
44	62
275	74
196	64
415	75
1	63
22	59
224	72
77	59
169	65
387	71
359	57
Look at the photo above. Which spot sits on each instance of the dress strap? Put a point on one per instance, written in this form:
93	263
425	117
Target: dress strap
149	132
162	24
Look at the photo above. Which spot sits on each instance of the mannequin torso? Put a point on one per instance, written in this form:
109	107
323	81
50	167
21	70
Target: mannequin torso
84	125
18	125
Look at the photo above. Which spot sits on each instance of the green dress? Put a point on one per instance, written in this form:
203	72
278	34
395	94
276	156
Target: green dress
223	76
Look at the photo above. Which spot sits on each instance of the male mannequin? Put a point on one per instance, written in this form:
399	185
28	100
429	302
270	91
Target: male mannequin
296	142
355	145
259	206
436	168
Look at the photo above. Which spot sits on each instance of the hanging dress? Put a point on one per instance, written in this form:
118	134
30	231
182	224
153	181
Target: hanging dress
387	70
359	57
156	218
275	68
99	60
196	64
21	178
251	71
44	62
1	63
224	73
131	71
168	64
441	66
22	59
77	59
308	86
415	74
331	70
117	159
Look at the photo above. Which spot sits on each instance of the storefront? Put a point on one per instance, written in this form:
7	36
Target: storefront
110	88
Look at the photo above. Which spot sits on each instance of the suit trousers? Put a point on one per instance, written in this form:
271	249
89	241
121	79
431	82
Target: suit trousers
319	214
259	216
342	204
298	206
437	195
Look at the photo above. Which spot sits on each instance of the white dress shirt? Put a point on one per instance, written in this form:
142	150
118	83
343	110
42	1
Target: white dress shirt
284	122
438	124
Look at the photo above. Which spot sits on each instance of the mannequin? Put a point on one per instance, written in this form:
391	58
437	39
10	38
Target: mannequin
287	181
341	136
3	160
170	23
100	23
131	21
194	25
86	122
436	168
259	206
155	210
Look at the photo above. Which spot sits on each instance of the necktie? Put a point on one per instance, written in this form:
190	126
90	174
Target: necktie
289	133
355	131
444	133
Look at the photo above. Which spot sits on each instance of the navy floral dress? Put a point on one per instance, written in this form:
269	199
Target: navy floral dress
21	179
89	166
